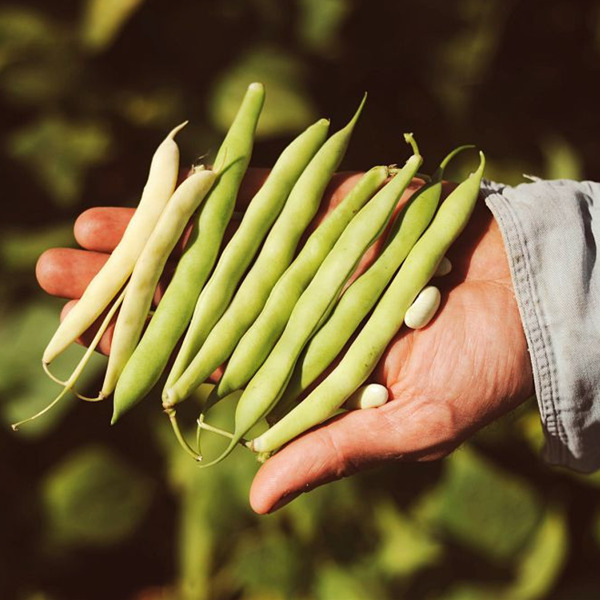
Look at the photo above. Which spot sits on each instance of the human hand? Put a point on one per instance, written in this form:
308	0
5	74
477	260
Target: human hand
66	272
445	381
469	366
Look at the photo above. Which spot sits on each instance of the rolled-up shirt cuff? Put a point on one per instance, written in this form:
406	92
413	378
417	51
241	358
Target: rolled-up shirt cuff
551	233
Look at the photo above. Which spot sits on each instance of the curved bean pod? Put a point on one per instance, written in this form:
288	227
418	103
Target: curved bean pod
147	270
267	385
215	215
257	342
258	219
176	307
275	256
361	296
368	347
162	178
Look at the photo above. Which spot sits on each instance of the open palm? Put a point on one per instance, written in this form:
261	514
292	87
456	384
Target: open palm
469	366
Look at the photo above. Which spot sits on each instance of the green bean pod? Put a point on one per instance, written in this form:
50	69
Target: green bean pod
275	256
384	323
267	385
148	268
361	296
257	342
258	219
174	311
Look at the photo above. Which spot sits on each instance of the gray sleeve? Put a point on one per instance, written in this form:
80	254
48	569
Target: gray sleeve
551	232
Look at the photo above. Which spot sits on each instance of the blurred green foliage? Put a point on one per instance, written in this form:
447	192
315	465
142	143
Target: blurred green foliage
92	498
87	89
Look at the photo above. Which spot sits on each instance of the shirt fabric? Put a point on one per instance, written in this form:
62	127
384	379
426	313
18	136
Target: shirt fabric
551	232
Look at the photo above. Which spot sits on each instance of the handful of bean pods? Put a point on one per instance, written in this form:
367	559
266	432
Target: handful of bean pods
278	311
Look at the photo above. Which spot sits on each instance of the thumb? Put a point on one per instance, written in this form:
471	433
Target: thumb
415	430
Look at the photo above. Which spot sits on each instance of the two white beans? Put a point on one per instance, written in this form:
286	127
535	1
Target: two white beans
417	316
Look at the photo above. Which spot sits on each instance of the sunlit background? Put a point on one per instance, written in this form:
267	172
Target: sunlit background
87	90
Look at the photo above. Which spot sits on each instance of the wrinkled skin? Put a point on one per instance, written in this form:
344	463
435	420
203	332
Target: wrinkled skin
469	366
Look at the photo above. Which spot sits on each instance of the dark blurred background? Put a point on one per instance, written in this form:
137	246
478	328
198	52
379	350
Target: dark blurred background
87	90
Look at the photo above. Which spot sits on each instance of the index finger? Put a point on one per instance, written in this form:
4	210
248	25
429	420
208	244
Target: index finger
400	429
100	229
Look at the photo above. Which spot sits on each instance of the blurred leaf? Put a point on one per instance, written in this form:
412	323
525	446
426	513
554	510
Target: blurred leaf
537	568
472	591
158	108
94	498
530	426
104	19
463	58
288	106
200	493
319	23
213	502
405	547
333	582
306	514
24	387
562	160
28	330
196	541
23	29
270	565
19	250
38	595
37	60
59	153
483	507
43	82
507	172
541	562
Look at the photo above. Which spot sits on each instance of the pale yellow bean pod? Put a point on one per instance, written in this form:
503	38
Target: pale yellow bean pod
159	187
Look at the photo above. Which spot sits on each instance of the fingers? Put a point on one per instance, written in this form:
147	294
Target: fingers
66	272
101	229
85	340
418	430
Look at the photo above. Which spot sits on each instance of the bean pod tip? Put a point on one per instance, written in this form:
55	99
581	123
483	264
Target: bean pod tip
177	129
